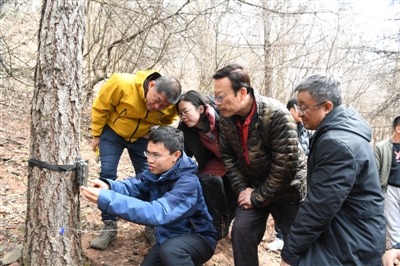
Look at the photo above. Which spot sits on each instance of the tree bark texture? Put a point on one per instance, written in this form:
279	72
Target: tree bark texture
53	197
267	90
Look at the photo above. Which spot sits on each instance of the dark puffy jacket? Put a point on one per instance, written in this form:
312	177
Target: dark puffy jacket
277	171
341	221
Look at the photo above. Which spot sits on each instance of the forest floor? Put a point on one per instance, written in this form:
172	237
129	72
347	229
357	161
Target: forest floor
131	245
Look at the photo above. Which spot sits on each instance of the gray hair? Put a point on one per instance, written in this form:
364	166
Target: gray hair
170	86
322	87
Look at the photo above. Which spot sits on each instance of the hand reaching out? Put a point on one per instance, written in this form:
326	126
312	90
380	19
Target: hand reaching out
92	191
98	184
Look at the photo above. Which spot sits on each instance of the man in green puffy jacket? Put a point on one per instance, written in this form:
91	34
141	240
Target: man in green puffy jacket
125	111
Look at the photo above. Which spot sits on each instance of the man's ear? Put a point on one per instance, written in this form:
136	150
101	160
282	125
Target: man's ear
328	106
177	154
243	93
151	85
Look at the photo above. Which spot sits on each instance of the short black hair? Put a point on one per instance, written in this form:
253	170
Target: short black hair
238	76
396	122
171	137
291	103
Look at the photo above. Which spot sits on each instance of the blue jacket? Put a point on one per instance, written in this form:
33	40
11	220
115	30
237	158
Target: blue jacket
341	221
181	209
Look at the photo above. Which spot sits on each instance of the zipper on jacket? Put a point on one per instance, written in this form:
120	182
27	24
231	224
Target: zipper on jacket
119	115
134	132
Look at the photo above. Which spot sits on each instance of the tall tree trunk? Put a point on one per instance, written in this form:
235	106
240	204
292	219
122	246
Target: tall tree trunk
53	197
267	91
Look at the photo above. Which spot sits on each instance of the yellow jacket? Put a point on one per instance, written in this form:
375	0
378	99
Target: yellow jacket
121	104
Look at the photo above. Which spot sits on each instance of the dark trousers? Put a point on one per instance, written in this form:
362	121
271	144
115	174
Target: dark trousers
249	226
278	232
185	250
231	198
111	149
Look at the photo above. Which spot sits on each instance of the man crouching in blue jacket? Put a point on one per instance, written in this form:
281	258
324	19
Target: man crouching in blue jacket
185	233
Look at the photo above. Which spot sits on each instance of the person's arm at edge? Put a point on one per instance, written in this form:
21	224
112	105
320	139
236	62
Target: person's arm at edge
378	157
108	95
132	187
171	206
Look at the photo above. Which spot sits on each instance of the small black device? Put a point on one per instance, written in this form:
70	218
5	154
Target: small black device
82	171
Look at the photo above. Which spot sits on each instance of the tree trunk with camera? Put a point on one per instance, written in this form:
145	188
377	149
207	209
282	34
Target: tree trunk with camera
52	235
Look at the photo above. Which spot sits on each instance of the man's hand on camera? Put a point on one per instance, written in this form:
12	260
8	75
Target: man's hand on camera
92	191
98	184
92	194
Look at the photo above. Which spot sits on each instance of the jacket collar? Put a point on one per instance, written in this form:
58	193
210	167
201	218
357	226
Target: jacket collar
345	119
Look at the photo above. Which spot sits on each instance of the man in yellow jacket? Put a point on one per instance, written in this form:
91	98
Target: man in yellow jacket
127	108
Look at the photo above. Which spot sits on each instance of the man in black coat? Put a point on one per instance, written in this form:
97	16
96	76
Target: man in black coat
341	221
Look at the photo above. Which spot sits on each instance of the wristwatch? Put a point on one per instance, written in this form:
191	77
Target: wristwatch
397	246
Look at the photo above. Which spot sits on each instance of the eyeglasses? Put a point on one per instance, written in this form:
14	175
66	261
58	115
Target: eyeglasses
302	110
220	98
153	156
184	112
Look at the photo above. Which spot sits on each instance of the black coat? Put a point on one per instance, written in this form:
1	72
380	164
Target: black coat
341	221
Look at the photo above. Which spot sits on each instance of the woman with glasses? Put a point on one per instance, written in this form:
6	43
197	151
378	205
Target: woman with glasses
200	126
199	123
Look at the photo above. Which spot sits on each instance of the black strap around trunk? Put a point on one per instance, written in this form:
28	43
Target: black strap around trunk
54	167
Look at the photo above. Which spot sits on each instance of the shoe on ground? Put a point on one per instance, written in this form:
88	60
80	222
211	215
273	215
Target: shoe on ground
12	256
275	245
108	233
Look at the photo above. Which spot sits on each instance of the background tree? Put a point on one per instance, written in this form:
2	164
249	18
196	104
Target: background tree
53	197
280	42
